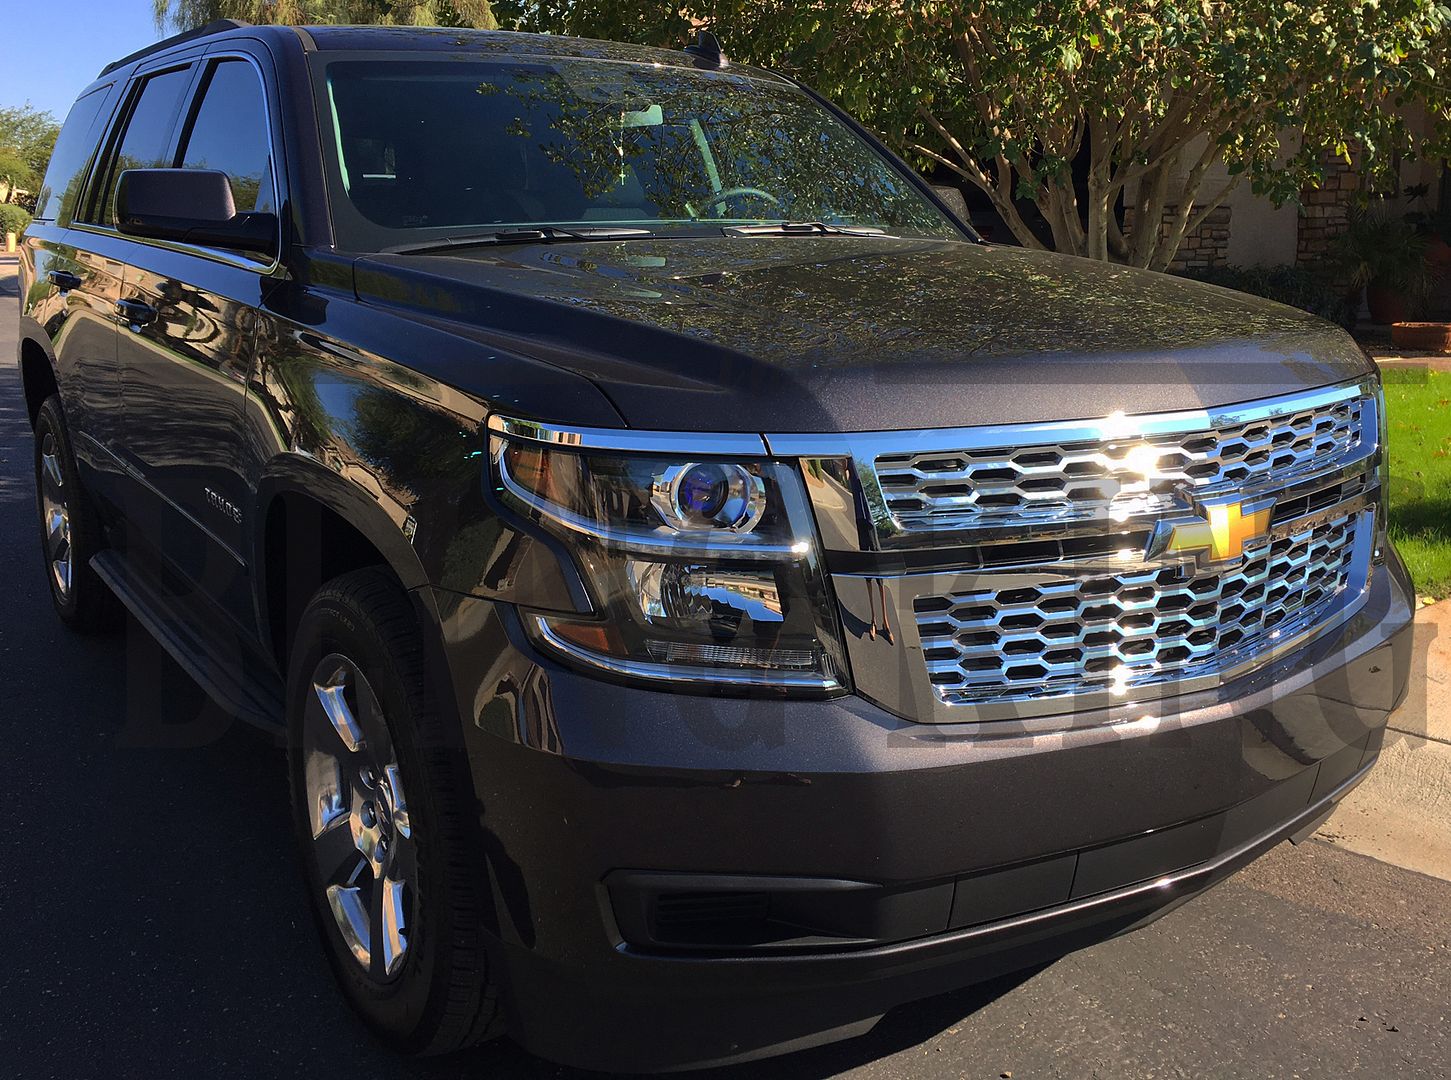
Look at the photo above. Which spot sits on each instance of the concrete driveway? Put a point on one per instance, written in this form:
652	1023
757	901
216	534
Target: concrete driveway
151	924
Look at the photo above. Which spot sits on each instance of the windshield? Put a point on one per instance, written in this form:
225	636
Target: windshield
430	149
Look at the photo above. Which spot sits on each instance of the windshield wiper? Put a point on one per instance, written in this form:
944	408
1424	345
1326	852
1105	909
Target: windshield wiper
802	228
532	234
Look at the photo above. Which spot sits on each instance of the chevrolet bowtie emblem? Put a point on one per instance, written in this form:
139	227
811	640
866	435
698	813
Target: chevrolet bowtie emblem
1217	533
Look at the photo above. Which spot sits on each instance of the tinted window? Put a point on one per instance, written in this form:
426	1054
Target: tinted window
230	134
66	174
428	145
147	137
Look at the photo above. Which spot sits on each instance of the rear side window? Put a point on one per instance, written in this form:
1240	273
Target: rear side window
146	141
73	149
229	133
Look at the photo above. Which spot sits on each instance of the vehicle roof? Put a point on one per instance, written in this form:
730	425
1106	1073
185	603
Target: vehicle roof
457	43
496	43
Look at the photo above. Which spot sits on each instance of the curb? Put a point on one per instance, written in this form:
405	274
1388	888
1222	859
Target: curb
1401	814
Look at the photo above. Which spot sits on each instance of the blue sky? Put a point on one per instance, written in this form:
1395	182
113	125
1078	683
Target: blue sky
52	50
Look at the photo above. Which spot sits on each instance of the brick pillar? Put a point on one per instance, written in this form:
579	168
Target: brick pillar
1325	213
1203	248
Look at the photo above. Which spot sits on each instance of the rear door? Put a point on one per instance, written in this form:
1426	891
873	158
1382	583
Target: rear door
188	341
71	293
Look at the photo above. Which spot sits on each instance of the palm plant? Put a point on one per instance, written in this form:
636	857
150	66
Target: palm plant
1386	255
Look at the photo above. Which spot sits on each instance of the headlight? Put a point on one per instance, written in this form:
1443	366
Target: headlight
701	571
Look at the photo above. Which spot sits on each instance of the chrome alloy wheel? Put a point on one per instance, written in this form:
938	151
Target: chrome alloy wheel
55	516
362	839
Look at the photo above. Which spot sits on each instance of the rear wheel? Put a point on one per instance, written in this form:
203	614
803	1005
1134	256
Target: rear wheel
382	804
70	531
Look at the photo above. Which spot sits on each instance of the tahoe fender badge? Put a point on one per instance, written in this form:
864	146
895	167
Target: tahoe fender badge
222	506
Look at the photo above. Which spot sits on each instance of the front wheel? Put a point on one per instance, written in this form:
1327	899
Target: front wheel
382	804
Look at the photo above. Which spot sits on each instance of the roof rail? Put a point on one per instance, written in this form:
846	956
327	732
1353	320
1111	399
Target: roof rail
217	26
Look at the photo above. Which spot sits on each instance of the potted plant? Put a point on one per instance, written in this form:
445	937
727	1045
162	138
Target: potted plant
1434	225
1386	256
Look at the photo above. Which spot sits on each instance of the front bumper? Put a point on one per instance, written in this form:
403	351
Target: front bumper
1010	850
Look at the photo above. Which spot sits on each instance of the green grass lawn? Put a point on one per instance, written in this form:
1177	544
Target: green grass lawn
1418	406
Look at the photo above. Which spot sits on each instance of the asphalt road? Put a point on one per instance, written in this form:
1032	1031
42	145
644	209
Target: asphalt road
151	923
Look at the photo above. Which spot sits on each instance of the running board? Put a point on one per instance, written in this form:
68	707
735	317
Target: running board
252	696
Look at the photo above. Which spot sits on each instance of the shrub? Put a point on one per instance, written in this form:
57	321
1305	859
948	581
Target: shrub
1290	285
1384	251
13	219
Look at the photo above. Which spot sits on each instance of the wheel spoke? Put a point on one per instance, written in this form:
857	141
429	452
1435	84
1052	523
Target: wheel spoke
377	903
398	801
326	791
346	902
402	862
368	715
333	696
336	852
392	940
57	529
53	478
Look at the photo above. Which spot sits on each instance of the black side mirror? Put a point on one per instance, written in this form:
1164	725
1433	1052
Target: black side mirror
190	206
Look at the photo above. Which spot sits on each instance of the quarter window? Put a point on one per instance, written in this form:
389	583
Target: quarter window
147	137
229	134
67	170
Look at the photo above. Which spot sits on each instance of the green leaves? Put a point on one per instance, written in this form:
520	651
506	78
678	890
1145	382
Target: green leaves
27	137
186	14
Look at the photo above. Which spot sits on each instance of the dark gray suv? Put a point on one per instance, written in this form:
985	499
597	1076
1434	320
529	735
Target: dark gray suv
710	596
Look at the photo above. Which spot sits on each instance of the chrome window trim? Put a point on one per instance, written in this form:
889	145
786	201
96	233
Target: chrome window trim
220	255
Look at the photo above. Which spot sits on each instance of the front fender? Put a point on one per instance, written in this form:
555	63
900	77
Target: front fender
395	453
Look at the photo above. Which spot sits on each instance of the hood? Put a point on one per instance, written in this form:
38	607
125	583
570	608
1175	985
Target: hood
834	333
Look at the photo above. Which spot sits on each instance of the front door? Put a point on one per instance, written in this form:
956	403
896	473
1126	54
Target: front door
186	348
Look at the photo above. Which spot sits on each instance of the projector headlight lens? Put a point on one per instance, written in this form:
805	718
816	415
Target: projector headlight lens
700	572
710	495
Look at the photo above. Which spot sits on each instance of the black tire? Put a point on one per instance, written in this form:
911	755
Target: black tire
441	999
85	604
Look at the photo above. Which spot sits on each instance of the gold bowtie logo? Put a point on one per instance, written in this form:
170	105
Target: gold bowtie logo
1219	535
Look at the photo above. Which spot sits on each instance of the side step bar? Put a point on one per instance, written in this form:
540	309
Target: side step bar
251	695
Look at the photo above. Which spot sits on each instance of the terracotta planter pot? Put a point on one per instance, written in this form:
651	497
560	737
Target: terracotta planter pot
1422	336
1386	305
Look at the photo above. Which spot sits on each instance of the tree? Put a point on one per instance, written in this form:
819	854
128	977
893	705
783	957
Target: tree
187	14
1155	95
27	137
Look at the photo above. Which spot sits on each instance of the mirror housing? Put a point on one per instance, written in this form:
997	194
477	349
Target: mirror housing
190	206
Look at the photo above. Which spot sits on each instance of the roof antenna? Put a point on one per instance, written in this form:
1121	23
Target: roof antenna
707	51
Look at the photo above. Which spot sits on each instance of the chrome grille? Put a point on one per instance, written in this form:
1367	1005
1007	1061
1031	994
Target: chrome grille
1049	635
1113	476
1047	573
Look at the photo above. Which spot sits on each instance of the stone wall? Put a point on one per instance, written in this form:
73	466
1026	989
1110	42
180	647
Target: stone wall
1325	213
1203	249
